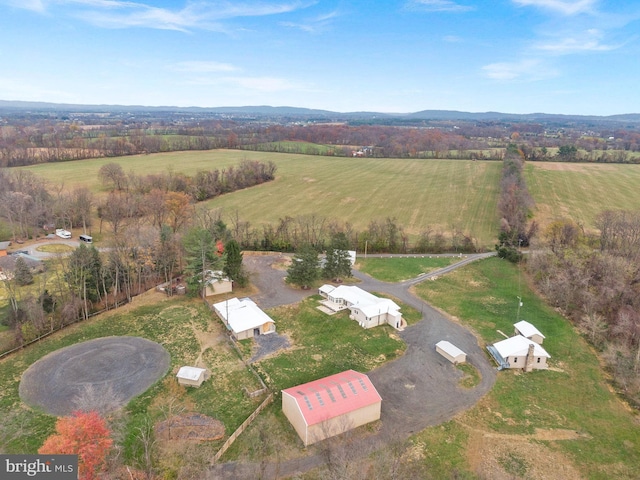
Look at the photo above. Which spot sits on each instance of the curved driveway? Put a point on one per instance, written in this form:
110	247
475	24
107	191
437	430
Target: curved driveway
419	389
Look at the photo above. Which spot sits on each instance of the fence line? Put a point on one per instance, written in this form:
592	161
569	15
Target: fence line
241	428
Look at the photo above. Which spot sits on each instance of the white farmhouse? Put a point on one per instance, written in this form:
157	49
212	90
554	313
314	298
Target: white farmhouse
519	352
367	309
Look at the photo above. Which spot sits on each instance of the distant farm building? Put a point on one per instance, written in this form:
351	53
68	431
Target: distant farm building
527	330
192	376
3	248
519	352
244	318
367	309
216	283
331	405
452	353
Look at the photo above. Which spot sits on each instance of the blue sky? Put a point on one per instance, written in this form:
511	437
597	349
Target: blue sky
515	56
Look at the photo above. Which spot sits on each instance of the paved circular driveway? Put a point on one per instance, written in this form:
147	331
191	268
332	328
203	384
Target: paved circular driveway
117	367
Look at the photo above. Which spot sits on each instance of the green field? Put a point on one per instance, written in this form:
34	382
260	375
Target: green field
437	194
579	191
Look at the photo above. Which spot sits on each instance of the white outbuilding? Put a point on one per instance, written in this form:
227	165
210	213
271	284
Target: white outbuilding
529	331
244	318
452	353
192	376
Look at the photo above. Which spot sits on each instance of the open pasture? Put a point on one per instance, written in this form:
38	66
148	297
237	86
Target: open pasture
420	194
580	191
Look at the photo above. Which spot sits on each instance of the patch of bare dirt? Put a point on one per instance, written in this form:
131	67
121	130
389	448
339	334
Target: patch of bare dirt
194	427
506	457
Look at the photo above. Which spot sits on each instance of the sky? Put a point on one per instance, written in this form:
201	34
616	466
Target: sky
577	57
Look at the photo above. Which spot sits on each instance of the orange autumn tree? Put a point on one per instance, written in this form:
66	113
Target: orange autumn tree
85	434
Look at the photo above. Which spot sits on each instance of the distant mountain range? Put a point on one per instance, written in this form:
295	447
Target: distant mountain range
264	110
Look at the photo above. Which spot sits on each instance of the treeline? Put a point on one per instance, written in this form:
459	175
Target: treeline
38	141
205	184
595	281
381	236
28	206
514	205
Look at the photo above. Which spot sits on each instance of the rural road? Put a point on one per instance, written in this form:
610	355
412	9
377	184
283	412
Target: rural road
419	389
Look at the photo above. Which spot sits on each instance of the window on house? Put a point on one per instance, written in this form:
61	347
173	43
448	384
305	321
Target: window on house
515	359
538	359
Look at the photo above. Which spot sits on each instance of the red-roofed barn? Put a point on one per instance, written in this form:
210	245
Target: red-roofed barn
331	405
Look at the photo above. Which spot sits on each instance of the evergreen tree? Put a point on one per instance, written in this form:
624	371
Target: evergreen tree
304	269
337	262
233	263
22	273
201	255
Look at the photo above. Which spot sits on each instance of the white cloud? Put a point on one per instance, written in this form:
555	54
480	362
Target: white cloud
201	15
313	25
527	69
437	6
589	41
565	7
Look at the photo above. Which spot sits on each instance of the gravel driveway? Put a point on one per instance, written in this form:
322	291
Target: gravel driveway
419	389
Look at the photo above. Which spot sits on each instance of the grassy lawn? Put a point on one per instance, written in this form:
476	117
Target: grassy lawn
56	248
580	191
439	194
574	396
399	269
324	345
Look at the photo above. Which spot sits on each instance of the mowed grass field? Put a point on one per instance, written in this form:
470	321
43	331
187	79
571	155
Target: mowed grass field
580	191
438	194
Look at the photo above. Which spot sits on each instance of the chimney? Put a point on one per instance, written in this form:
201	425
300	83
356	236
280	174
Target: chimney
528	363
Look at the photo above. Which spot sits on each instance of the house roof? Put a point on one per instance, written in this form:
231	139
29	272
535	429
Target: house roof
383	305
527	329
326	288
242	315
190	373
518	346
4	245
355	296
449	348
333	396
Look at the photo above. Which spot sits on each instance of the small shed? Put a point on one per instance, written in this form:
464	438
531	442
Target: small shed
216	284
529	331
452	353
192	376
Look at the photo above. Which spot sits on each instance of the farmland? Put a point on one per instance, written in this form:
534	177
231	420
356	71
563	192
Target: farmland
580	191
439	194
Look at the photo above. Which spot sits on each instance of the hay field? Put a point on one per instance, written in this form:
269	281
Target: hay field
581	190
441	194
